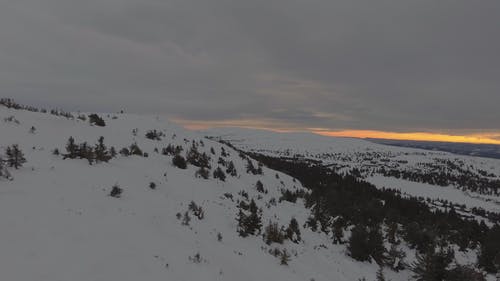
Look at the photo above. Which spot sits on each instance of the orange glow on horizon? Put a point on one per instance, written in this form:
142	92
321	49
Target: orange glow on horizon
492	137
486	138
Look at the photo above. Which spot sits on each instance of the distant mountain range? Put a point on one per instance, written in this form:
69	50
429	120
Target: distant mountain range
471	149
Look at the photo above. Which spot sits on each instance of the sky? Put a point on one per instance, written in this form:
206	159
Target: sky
392	67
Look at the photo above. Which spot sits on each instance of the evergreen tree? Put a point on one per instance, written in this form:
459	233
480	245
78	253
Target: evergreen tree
293	231
124	152
169	150
284	257
250	167
376	245
71	149
179	162
112	152
251	223
358	244
135	150
154	135
395	258
338	230
432	265
202	173
254	219
219	174
231	170
96	120
490	250
392	230
86	152
259	186
242	218
463	272
15	157
101	152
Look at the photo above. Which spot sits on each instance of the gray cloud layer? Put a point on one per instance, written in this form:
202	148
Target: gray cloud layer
388	64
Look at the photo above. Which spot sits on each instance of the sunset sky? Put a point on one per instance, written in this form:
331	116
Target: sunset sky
424	70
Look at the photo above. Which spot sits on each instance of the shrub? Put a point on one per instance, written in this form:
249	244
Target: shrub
116	191
202	173
273	234
125	152
154	135
179	162
95	119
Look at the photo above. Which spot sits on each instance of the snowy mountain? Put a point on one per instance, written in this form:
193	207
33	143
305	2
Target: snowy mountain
124	207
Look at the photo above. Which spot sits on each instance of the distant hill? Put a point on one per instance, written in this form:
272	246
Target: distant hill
471	149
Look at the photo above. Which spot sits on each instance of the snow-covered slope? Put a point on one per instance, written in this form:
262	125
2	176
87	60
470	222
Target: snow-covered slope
59	222
345	154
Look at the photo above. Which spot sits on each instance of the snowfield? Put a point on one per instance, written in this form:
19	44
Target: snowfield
349	153
59	222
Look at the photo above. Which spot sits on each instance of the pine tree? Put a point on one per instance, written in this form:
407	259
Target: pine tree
135	150
101	152
358	244
395	258
249	224
71	149
250	167
15	157
285	257
86	152
112	152
392	230
179	162
464	272
293	231
254	223
242	218
231	169
219	174
96	120
431	266
338	230
259	186
202	173
490	251
376	245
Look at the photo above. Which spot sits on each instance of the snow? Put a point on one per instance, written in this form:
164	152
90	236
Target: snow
59	223
351	153
449	193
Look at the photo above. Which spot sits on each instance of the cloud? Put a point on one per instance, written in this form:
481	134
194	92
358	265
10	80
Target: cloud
382	65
